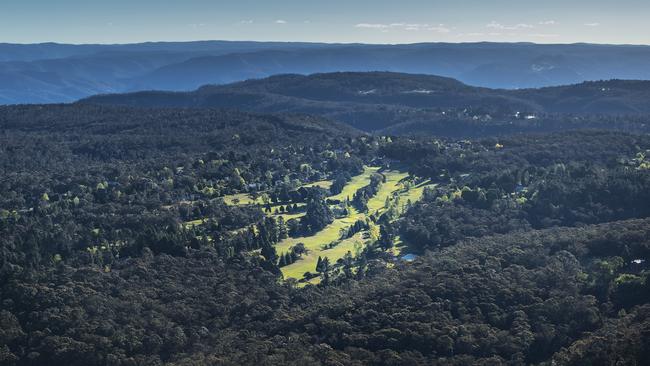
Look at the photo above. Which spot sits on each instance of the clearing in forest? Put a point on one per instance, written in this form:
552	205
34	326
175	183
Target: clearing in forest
353	185
245	199
317	245
396	191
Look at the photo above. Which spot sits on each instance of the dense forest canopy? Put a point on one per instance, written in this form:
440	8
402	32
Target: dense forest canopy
146	236
406	104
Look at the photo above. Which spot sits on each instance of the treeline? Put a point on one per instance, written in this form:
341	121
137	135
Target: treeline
492	190
568	196
365	193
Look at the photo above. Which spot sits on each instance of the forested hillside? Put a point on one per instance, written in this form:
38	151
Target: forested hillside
394	103
58	73
95	174
146	236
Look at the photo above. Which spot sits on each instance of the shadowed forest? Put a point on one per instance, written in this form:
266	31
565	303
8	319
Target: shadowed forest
159	236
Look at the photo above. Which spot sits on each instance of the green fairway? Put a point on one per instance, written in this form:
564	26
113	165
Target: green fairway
332	232
357	182
275	207
391	185
323	184
308	261
244	199
289	216
241	199
329	234
315	244
414	194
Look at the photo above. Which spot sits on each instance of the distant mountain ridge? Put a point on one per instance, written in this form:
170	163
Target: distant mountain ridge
382	100
52	73
52	50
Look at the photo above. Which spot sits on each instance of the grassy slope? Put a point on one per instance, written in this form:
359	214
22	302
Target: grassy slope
391	185
329	234
322	183
357	182
244	199
314	243
241	198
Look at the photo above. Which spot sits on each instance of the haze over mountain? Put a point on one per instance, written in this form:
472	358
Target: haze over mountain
404	103
44	73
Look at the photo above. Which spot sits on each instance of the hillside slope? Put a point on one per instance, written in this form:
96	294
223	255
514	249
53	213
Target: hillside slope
404	103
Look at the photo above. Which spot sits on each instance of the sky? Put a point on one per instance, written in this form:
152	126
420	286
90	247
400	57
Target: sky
363	21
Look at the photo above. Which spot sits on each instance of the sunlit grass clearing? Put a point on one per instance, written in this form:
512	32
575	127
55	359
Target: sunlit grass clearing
357	182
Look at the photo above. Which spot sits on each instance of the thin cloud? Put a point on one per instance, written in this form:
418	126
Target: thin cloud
592	24
440	28
280	21
547	22
473	34
495	25
246	21
543	35
371	25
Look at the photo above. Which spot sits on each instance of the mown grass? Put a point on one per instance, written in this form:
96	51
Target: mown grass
329	234
332	232
387	188
275	212
415	193
241	199
289	216
326	184
308	261
353	185
244	199
315	244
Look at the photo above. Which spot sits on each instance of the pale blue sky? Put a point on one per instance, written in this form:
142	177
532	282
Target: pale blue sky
378	21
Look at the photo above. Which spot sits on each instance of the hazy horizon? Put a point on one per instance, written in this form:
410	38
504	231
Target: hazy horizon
371	22
324	42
